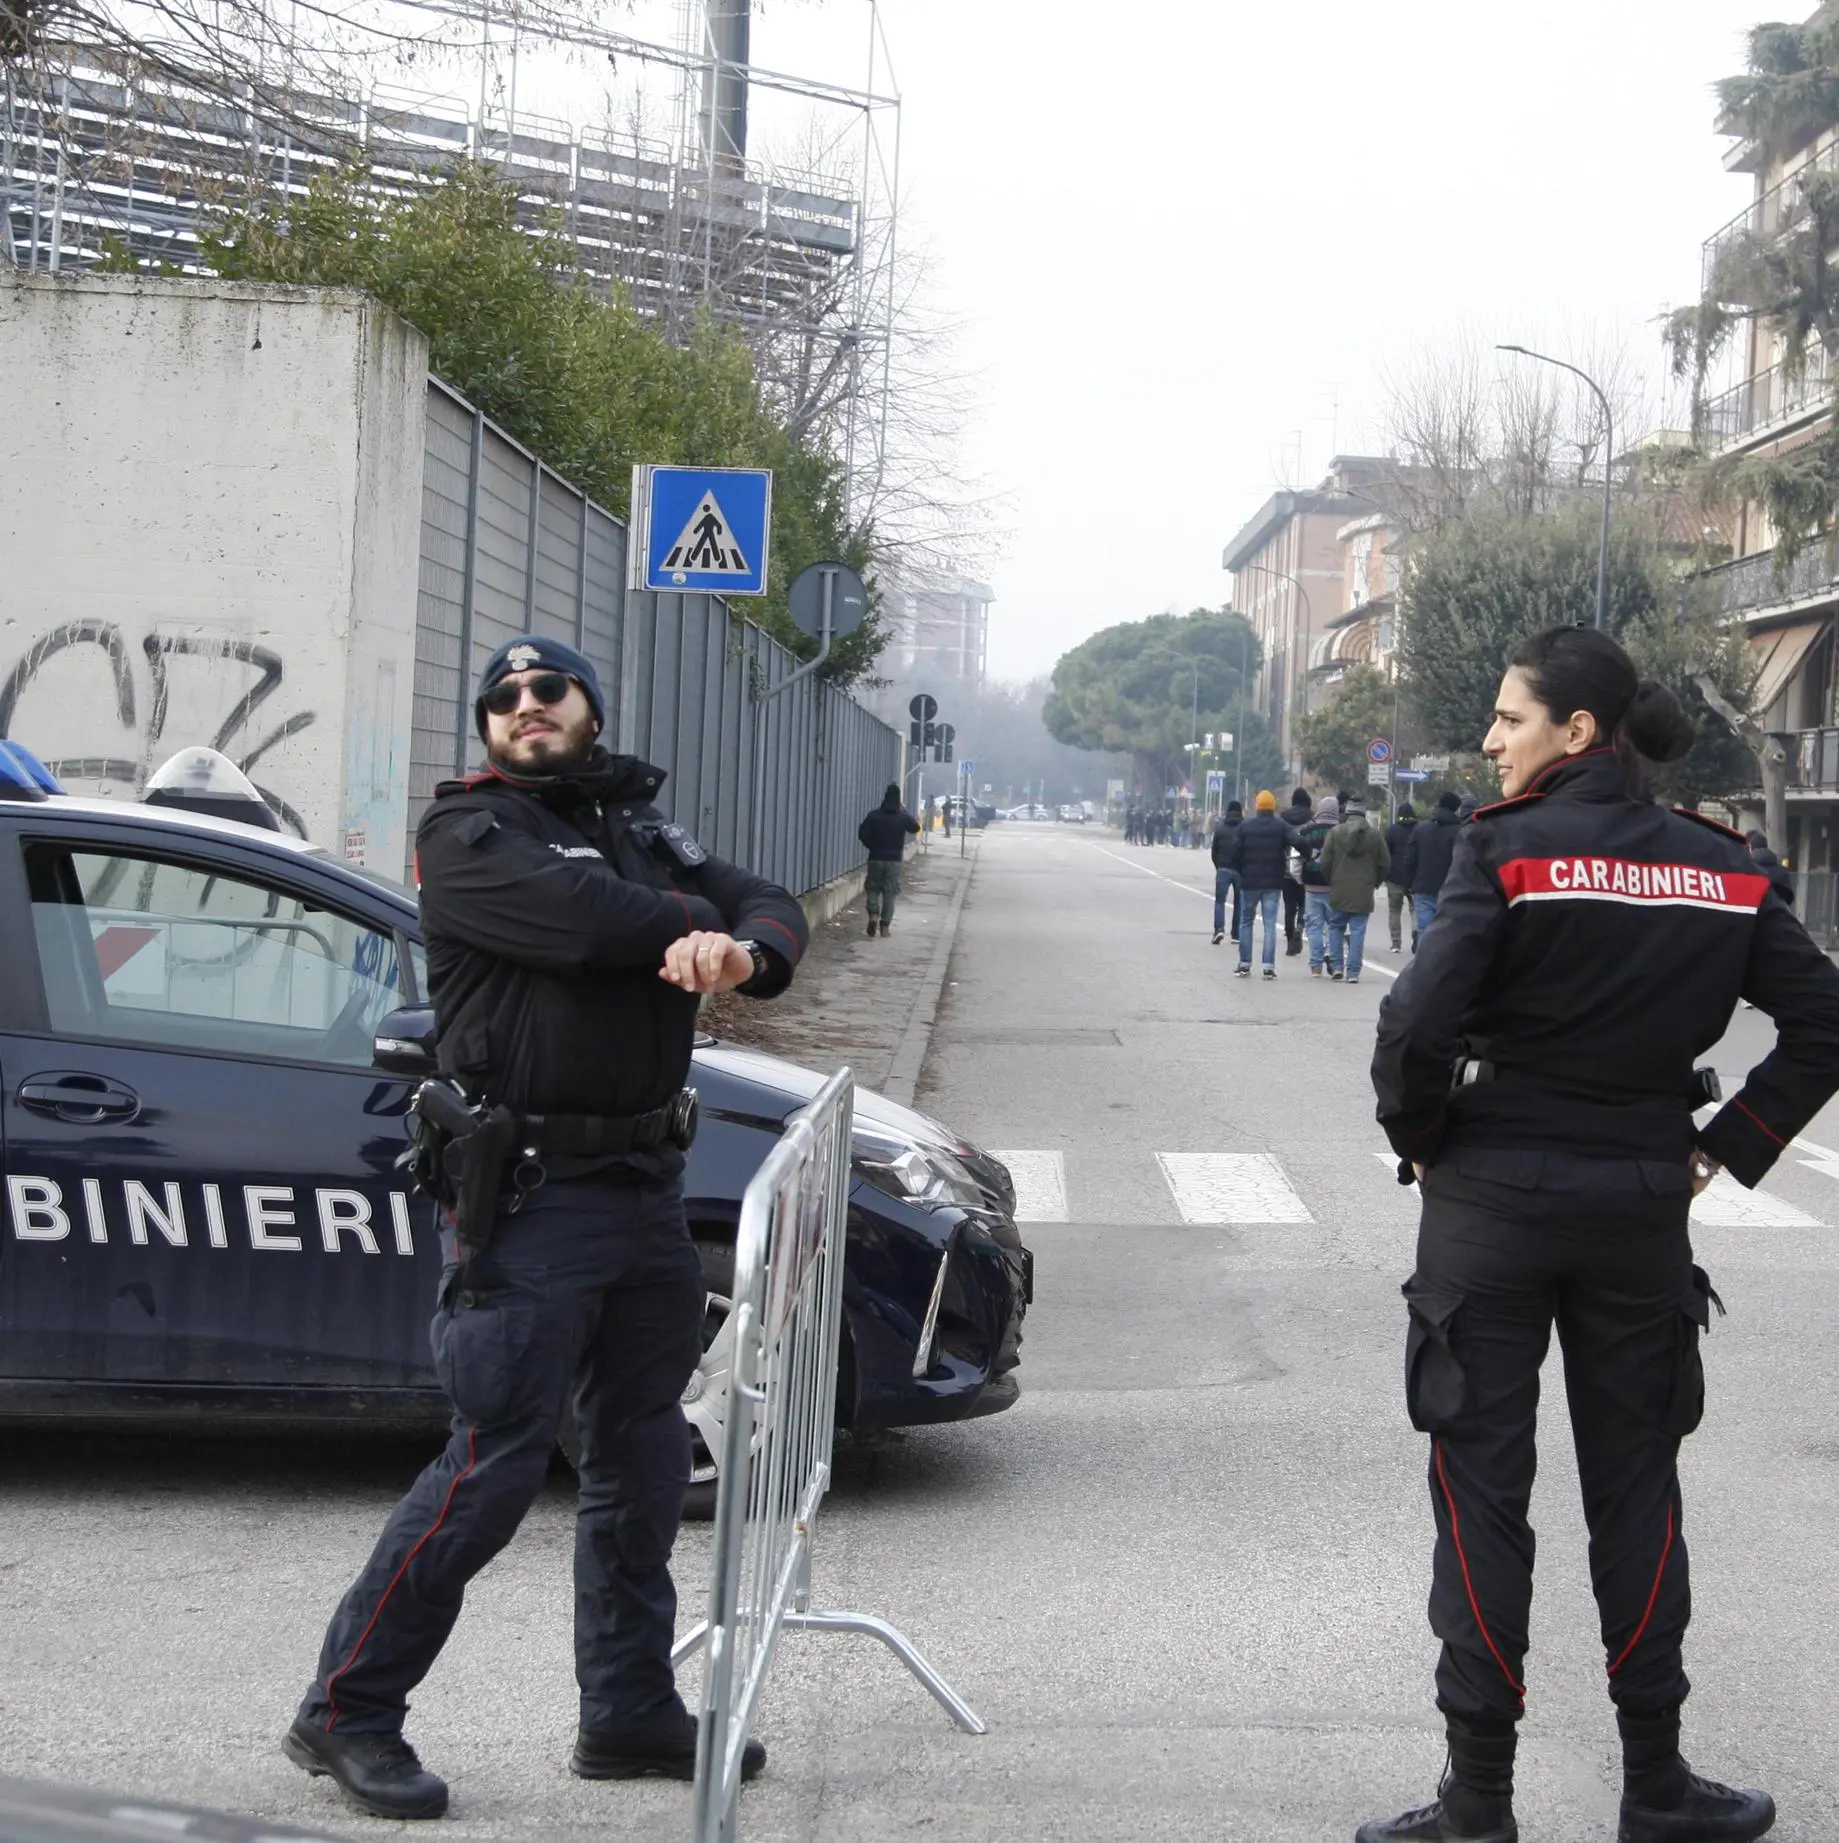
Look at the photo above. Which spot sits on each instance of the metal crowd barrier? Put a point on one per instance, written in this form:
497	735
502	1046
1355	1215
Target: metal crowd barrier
776	1445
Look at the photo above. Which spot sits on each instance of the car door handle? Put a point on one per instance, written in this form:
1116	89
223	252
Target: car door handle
79	1100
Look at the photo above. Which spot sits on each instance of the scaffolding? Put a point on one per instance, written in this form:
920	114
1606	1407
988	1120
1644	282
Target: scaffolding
104	155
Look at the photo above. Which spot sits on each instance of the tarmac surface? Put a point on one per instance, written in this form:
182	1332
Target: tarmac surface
1183	1579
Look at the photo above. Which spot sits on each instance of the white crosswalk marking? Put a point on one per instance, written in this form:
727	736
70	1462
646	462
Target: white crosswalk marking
1249	1188
1040	1184
1231	1187
1725	1204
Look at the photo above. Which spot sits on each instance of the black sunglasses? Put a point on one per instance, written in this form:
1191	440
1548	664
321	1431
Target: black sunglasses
546	687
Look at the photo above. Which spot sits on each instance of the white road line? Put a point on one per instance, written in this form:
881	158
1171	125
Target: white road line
1231	1187
1366	966
1725	1204
1040	1184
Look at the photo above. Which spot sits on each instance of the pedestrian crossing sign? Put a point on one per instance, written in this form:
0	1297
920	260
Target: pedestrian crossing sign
701	529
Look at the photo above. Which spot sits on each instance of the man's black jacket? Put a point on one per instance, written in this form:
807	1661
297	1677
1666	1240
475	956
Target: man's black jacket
1431	851
1402	848
1225	829
1591	948
547	909
1259	849
885	832
1297	815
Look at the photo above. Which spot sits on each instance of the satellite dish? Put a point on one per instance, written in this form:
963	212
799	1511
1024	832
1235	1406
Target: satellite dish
848	600
200	780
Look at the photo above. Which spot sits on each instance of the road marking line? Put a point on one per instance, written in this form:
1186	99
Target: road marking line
1366	966
1231	1188
1040	1184
1725	1204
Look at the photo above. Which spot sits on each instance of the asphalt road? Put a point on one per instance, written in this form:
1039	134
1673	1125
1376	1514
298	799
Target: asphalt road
1183	1579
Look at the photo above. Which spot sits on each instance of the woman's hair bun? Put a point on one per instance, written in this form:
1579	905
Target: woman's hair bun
1656	724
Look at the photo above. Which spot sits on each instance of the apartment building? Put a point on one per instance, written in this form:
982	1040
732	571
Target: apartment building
1364	631
1294	577
1768	409
941	637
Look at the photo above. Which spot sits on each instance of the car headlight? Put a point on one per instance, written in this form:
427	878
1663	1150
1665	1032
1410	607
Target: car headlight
910	1170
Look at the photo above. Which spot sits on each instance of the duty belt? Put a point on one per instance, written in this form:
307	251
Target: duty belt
595	1135
1704	1090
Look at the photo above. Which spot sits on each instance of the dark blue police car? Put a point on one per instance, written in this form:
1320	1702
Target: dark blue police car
209	1034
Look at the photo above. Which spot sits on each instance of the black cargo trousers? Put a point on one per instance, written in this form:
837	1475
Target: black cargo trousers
1509	1244
592	1292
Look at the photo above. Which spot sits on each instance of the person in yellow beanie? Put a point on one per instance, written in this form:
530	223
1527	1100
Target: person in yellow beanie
1259	849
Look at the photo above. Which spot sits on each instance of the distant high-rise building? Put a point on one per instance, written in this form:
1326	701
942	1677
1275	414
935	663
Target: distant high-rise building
941	636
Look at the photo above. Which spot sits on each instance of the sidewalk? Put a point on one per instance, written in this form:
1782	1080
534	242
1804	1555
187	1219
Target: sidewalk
868	1003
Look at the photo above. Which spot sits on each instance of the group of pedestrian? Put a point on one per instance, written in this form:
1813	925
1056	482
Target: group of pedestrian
1165	825
1321	862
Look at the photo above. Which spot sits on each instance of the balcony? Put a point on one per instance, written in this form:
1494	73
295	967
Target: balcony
1813	760
1770	213
1771	402
1742	589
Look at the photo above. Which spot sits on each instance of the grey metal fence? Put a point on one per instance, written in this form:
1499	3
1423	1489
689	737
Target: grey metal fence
777	782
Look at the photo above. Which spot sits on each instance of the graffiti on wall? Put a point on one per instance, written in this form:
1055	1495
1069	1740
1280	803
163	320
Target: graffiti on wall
202	686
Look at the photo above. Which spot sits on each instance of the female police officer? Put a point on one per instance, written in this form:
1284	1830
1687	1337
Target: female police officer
1535	1065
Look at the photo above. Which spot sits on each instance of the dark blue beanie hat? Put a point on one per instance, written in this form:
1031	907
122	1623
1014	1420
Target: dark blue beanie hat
532	651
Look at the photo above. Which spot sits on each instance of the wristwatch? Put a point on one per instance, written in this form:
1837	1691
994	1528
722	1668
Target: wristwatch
757	954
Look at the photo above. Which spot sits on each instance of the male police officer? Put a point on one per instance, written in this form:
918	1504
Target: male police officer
570	932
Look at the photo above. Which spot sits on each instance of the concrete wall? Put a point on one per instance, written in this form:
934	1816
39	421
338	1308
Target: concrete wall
210	499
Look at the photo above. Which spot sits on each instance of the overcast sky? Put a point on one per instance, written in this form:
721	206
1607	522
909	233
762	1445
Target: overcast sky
1189	240
1178	232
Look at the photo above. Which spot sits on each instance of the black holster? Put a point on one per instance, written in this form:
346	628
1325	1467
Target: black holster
459	1154
475	1165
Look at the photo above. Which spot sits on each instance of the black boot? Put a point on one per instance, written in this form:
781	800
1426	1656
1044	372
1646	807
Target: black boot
666	1747
1475	1799
1664	1801
379	1773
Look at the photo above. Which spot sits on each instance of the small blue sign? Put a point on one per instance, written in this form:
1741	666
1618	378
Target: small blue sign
1378	750
702	529
1411	774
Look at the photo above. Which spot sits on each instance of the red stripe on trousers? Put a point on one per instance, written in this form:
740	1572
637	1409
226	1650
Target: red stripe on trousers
1666	1550
1481	1625
465	1472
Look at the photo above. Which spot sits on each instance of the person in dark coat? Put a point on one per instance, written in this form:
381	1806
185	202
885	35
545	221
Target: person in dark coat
1224	876
1401	849
1260	852
885	831
1590	947
572	933
1296	815
1432	848
1781	878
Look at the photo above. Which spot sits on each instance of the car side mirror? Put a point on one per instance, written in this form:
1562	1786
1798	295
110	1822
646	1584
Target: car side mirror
404	1042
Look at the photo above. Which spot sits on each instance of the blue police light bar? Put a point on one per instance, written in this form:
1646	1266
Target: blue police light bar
22	775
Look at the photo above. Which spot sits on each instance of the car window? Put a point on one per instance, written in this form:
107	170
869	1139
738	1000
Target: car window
160	951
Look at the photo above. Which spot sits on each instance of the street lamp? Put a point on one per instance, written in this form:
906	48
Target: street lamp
1609	446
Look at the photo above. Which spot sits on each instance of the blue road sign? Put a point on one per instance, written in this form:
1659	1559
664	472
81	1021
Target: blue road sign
701	529
1379	750
1411	774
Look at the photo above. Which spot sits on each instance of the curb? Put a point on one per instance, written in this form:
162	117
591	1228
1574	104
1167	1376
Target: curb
910	1057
